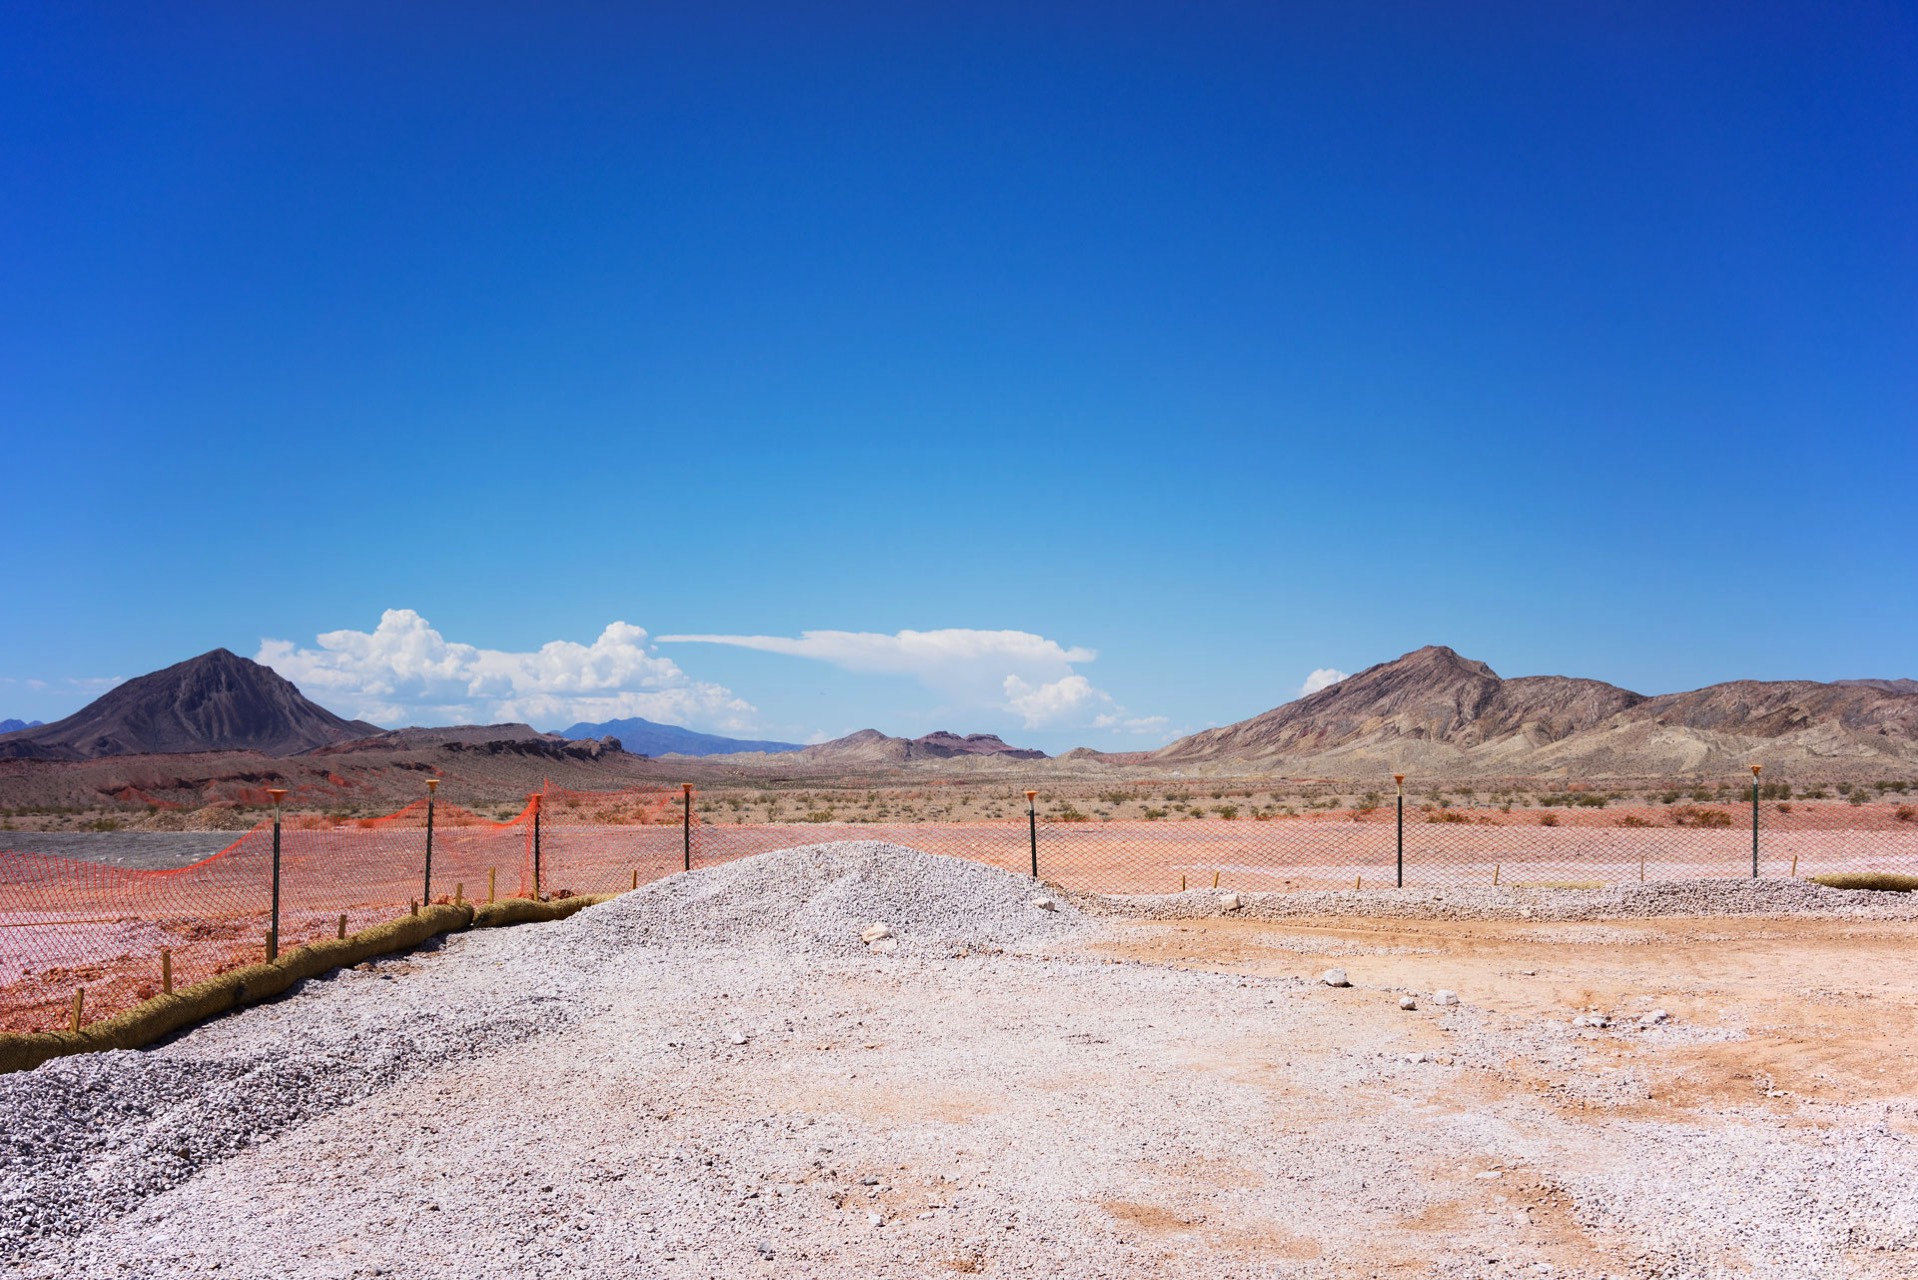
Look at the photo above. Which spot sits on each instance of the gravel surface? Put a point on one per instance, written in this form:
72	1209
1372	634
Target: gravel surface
1618	902
140	850
815	899
715	1076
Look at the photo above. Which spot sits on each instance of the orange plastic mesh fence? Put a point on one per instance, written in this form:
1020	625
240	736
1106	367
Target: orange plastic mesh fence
67	923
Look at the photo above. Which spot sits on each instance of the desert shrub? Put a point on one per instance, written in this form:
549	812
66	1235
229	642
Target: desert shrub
1883	881
1633	820
1844	788
1783	806
1548	819
1227	811
1858	797
1067	813
1592	800
1686	815
1449	815
1153	815
1816	793
817	815
1904	813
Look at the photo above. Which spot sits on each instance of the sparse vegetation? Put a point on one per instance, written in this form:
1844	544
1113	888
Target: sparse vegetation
1686	815
1881	881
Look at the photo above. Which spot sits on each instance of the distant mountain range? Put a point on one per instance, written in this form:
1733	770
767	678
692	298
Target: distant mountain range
1434	713
647	737
14	726
871	747
1430	713
218	701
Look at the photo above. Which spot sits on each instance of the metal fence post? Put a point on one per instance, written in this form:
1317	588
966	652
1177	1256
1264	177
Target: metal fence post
426	890
686	800
1032	825
1755	769
536	809
273	929
1399	779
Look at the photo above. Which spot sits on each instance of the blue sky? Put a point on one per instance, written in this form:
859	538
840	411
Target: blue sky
1081	373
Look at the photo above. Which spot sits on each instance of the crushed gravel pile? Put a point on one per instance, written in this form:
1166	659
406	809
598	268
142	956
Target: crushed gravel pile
1799	898
95	1135
819	898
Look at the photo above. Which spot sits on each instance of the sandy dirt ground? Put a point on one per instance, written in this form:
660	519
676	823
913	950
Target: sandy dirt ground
1155	1098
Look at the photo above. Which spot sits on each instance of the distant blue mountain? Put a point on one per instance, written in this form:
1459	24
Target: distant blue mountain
15	726
649	739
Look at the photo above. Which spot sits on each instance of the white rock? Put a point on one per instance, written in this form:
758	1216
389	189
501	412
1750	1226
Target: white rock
1335	978
874	932
1231	902
739	1038
1655	1017
1043	904
1408	1002
884	946
875	1219
1445	997
1594	1020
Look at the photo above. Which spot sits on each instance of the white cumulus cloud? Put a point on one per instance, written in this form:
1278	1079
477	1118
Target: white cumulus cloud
1323	678
1052	702
1005	671
405	672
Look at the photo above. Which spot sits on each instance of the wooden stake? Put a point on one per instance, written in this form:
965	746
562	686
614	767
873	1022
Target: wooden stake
415	906
1641	868
1181	884
491	874
459	892
1357	880
166	972
79	1005
635	877
1215	879
342	929
272	946
1794	866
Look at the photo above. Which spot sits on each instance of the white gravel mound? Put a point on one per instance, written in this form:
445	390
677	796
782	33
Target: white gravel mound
820	898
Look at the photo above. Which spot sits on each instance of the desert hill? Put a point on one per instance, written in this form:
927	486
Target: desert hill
488	739
648	737
1435	713
870	745
14	726
218	701
869	748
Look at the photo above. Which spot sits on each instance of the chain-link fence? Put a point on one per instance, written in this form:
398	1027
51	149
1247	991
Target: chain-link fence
127	935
